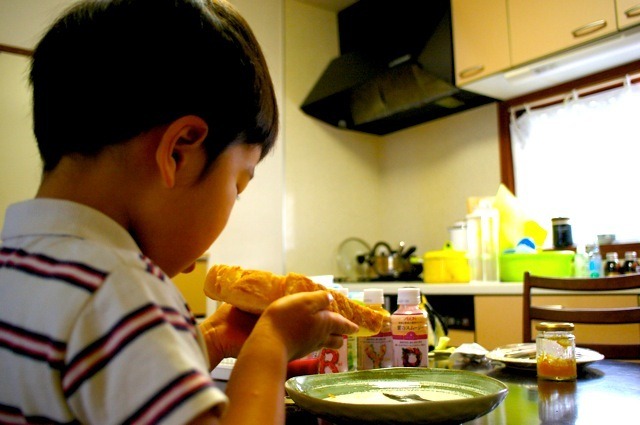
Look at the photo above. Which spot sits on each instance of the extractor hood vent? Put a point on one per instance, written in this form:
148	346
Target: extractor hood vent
395	69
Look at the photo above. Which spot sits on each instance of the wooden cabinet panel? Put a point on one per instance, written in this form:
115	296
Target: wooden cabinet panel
191	285
499	318
480	38
459	336
539	28
628	13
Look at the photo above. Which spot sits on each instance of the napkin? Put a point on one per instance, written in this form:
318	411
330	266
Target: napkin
467	354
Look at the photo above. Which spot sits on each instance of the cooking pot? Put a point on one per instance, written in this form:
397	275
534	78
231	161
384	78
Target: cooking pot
388	263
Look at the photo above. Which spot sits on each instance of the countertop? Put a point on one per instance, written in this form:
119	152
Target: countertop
472	288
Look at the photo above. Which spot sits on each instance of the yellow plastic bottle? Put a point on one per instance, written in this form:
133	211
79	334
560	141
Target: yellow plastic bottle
375	352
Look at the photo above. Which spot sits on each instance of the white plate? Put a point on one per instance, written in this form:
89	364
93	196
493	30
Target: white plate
455	396
523	356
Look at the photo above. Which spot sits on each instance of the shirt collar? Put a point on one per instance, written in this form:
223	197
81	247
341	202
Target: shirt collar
56	217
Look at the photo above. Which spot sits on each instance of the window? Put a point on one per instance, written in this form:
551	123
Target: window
579	158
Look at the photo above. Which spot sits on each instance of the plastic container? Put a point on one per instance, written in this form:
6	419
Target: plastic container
375	352
543	263
410	330
483	245
556	352
580	262
445	266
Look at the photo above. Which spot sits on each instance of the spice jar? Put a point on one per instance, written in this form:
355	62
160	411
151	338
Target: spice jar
612	265
630	263
556	351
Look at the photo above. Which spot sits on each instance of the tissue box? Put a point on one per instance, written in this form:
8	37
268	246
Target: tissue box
445	266
544	263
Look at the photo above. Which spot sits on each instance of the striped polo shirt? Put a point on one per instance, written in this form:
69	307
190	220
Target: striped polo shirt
91	331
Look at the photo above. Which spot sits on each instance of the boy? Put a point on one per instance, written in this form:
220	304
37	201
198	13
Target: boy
150	117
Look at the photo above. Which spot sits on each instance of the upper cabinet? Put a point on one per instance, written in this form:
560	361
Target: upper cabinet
542	27
480	38
508	48
628	13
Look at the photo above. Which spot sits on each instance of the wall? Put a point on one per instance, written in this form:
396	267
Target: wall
332	182
254	234
19	161
429	171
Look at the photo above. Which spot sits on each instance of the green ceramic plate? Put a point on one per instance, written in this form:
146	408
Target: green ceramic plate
369	396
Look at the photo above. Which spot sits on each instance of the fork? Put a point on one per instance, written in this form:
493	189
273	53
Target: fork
405	397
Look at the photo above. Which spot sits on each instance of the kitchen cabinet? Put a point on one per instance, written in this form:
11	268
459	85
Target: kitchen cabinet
628	13
480	38
542	27
191	287
498	319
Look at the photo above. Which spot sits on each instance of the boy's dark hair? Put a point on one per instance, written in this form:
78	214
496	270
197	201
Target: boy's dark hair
107	71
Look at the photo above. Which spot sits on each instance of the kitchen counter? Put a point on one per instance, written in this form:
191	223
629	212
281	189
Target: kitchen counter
472	288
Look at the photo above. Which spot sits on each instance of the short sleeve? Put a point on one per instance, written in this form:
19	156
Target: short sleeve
135	355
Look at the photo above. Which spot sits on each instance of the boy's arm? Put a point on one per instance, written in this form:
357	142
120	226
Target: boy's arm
256	385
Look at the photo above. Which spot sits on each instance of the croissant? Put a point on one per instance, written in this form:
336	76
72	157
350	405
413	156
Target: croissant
253	290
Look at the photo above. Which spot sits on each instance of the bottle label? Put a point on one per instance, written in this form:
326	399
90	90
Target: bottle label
410	340
333	361
376	351
352	353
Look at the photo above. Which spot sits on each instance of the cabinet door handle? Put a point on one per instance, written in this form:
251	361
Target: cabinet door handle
589	28
632	11
471	71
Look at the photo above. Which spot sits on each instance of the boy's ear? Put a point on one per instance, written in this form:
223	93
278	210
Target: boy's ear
181	138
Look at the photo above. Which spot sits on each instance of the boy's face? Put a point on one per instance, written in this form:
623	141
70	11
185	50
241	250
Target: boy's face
198	212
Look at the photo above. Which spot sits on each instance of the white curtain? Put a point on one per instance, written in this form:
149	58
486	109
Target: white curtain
581	160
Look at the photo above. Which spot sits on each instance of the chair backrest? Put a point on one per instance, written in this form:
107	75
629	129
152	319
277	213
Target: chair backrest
606	316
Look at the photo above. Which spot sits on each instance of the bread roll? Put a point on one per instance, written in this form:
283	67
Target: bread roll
253	290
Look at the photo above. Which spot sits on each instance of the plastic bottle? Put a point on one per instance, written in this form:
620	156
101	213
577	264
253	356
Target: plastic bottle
376	351
630	263
581	262
331	360
611	265
409	329
595	261
483	242
351	345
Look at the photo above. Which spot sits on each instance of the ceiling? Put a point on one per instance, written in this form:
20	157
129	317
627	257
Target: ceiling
333	5
22	22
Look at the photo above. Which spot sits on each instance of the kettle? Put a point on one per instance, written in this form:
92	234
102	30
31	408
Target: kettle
388	263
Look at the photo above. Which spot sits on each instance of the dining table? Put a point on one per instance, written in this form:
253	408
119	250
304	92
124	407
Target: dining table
605	392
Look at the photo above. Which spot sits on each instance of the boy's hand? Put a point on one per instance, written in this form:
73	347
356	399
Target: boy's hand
225	331
303	324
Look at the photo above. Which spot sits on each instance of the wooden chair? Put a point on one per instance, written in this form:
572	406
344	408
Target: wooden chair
605	316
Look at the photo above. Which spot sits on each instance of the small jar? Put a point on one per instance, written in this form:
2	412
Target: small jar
562	237
612	265
556	351
630	262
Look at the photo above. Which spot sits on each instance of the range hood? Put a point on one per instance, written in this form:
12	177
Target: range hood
395	70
